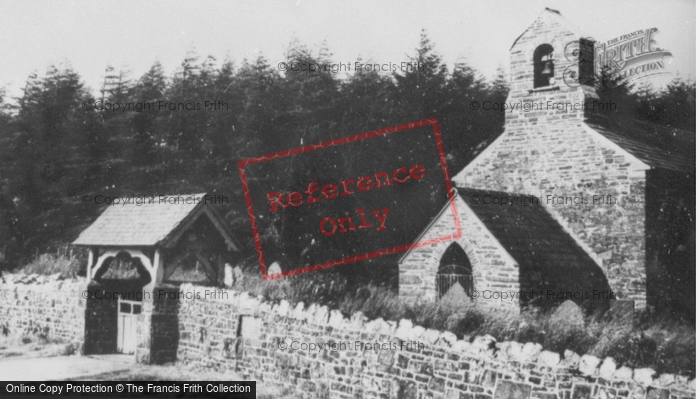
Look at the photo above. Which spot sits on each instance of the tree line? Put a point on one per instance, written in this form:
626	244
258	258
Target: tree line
55	147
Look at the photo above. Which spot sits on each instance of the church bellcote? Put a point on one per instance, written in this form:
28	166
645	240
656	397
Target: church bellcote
550	63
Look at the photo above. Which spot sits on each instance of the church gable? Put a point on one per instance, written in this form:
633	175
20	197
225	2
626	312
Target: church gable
543	132
549	21
492	267
535	160
545	57
511	249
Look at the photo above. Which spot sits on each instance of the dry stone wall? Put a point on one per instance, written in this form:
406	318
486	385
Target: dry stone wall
42	306
322	354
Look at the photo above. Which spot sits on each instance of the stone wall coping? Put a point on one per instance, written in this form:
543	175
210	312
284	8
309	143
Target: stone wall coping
485	347
481	347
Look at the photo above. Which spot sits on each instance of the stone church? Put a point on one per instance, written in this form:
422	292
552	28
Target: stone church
599	208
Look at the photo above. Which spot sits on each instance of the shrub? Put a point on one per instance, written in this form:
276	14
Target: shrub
47	264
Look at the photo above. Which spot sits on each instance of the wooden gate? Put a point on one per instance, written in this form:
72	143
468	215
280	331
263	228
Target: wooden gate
126	325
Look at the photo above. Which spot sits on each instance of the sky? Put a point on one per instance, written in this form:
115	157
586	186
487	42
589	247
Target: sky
89	35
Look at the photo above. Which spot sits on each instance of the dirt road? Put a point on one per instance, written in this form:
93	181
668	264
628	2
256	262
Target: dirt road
62	367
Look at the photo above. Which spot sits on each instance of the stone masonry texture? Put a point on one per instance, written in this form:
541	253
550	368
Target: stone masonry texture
352	358
549	152
45	306
493	269
414	362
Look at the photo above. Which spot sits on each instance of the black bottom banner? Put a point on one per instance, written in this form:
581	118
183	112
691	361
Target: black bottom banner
163	389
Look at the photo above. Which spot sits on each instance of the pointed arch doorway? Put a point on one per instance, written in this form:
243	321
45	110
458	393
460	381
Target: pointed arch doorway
454	268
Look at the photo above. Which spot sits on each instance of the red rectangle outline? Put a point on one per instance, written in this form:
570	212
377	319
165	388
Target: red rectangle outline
331	143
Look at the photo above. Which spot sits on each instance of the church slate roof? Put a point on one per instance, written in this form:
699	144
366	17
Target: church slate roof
656	145
145	225
535	240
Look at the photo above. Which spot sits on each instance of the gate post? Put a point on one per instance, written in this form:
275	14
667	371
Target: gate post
157	330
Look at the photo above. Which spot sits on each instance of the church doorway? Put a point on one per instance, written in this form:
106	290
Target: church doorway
454	268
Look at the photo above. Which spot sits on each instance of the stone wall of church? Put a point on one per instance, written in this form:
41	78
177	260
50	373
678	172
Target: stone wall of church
595	190
591	190
494	271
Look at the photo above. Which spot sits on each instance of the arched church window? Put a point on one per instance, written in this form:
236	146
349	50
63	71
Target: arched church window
543	61
454	268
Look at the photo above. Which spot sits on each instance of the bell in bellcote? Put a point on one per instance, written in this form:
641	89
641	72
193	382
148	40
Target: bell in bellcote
548	68
543	61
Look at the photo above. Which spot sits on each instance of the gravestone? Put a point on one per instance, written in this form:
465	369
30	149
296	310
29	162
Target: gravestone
275	268
228	275
568	314
238	274
621	312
